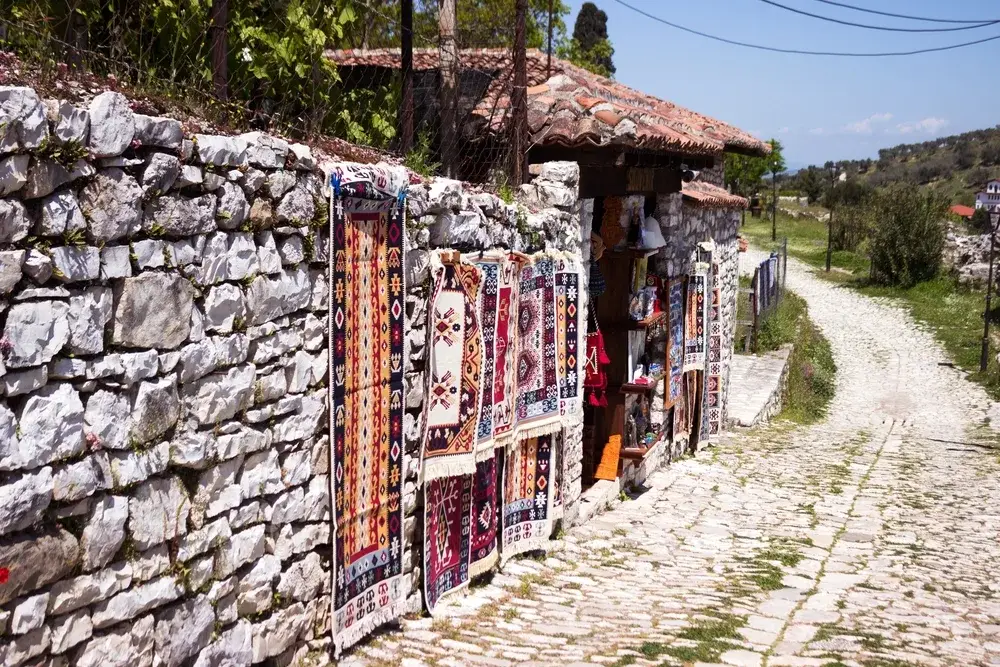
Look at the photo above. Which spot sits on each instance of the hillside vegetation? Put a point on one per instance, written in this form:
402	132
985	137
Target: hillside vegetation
955	167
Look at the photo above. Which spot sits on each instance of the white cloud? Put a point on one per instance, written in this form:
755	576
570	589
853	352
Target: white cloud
817	131
929	125
865	126
783	130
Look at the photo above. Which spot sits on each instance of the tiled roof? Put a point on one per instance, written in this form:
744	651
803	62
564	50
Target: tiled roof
575	107
707	195
963	211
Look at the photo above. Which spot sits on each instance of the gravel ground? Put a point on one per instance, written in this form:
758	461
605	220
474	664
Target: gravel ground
870	539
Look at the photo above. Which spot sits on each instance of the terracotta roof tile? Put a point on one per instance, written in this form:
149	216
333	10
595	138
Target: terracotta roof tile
706	195
597	105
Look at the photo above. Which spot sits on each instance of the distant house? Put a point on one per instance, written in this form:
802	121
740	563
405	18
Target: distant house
989	198
962	211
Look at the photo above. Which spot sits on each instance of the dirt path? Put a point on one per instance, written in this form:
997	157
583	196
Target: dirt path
870	539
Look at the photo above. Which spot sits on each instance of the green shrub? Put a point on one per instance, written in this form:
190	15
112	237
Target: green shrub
907	235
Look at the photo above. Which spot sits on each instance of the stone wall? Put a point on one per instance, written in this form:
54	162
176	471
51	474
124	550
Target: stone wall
445	213
164	487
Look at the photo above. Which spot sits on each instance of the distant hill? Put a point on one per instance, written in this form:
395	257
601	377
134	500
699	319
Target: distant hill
957	166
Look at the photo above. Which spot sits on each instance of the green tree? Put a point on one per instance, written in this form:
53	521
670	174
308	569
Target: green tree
590	47
810	183
907	234
743	173
776	160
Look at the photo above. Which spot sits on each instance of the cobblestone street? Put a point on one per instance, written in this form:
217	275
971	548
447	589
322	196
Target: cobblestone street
870	539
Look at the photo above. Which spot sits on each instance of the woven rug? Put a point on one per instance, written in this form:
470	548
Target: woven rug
484	520
713	375
694	323
505	350
675	325
537	381
446	537
367	300
680	429
454	365
526	520
567	294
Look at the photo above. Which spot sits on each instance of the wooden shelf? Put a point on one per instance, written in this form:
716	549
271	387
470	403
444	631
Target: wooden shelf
633	253
639	387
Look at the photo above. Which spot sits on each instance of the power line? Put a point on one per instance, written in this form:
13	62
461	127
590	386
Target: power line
874	27
846	54
902	16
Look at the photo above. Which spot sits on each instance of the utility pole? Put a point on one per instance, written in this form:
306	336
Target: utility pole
449	85
985	354
219	18
774	206
406	103
519	97
829	222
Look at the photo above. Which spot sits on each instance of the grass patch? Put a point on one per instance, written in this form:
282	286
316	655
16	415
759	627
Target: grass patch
712	637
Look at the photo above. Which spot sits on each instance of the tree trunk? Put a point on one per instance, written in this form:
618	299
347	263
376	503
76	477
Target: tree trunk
449	86
406	101
519	98
220	64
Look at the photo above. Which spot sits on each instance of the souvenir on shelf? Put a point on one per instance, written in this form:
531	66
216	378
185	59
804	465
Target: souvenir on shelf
635	230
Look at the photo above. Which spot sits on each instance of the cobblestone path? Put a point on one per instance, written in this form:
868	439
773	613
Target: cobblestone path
872	539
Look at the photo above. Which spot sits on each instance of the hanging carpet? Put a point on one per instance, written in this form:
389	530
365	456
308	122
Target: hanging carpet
675	324
713	376
447	536
537	381
485	517
367	300
505	350
567	294
526	519
454	364
694	333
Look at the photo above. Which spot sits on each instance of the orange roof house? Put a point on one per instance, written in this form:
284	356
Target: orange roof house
573	114
962	211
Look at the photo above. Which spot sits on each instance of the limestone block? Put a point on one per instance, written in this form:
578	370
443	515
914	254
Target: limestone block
445	195
71	264
191	449
136	601
221	151
112	125
183	630
220	396
111	203
210	536
296	468
189	175
271	297
128	468
303	580
13	173
51	426
155	131
155	410
79	480
104	533
241	256
115	262
71	594
153	310
22	119
89	314
297	207
268	258
261	475
138	365
302	425
224	305
60	213
23	500
261	214
233	207
125	647
217	488
292	250
14	221
265	151
233	648
35	561
255	589
70	630
177	215
303	157
44	176
296	540
107	418
278	633
158	512
244	547
69	123
26	647
280	182
160	172
11	263
244	441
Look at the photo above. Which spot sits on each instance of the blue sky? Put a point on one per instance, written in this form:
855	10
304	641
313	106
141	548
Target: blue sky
819	107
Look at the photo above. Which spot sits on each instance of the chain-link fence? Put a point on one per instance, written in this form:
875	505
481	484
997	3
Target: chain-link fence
304	68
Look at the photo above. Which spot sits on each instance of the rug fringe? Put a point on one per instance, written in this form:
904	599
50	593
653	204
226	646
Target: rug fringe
487	453
548	426
484	565
446	594
454	467
534	543
347	638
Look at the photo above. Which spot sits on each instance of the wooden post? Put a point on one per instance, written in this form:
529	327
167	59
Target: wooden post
220	63
449	85
406	101
519	97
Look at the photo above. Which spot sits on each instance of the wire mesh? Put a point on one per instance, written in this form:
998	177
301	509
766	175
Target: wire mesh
303	68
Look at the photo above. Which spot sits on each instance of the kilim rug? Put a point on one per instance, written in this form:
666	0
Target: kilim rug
453	373
447	536
675	345
537	381
713	376
526	519
567	295
680	430
484	520
694	324
367	299
505	346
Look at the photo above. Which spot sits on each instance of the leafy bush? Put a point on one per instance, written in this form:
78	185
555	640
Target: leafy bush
907	235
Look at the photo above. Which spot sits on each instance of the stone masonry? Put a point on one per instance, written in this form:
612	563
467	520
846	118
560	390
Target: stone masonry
163	458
